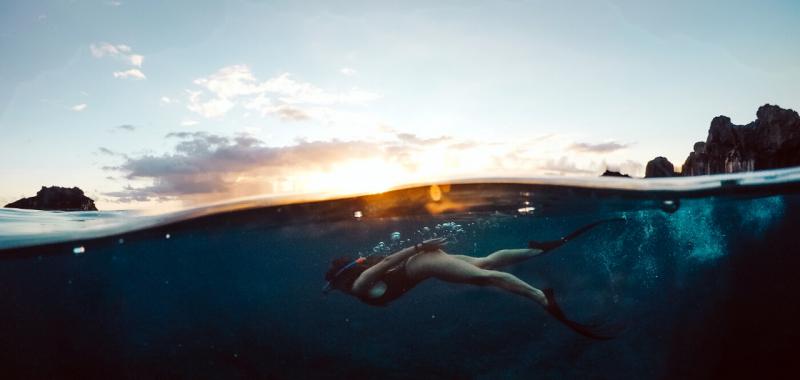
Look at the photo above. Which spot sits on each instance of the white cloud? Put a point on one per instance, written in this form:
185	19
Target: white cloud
79	107
188	123
230	81
233	85
106	49
348	71
606	147
209	109
114	3
294	92
121	52
564	166
136	59
130	74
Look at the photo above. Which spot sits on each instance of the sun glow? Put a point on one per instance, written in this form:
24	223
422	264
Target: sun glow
356	176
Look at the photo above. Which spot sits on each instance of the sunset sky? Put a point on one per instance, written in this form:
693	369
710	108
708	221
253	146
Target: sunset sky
164	103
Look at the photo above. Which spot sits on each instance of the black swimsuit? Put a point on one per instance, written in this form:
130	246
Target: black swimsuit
397	283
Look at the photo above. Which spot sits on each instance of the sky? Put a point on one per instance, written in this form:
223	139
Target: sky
164	104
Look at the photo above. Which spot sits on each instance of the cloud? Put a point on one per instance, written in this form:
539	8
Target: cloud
130	194
188	123
606	147
265	106
167	100
464	145
114	3
79	107
106	151
348	71
291	113
209	109
282	96
205	167
126	127
130	74
205	163
564	166
416	140
103	49
121	52
136	59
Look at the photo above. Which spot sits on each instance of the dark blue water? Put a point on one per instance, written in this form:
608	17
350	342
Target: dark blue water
704	286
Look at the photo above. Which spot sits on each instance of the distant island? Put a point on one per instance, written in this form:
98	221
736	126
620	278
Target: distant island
772	141
56	198
611	173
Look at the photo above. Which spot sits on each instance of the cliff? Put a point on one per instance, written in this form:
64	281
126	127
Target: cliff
772	141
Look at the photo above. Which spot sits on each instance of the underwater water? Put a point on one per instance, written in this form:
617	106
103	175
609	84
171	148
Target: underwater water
700	279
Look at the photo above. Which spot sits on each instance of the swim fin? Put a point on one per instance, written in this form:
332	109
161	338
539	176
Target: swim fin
589	331
553	244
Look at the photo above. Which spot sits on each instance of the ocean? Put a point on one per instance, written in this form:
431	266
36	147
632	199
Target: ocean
699	280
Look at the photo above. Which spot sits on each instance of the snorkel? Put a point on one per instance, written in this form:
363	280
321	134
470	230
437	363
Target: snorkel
329	285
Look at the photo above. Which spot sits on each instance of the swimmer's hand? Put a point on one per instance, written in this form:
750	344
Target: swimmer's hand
431	245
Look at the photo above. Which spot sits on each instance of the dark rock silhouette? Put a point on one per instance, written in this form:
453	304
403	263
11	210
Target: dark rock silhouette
609	173
772	141
56	199
659	167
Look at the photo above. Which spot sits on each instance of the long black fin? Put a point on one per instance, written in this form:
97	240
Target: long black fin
588	331
589	226
553	244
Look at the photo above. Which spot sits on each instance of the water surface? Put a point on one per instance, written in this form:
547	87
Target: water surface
701	274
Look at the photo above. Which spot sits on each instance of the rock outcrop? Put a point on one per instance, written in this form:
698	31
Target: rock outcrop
609	173
659	167
56	199
772	141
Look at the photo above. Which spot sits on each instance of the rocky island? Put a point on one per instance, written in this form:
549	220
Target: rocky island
613	173
56	198
772	141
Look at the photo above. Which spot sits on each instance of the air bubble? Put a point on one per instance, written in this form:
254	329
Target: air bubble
670	205
78	250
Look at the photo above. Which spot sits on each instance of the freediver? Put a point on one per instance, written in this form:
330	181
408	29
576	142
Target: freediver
378	280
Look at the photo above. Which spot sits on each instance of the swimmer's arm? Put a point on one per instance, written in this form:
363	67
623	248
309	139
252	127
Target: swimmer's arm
370	276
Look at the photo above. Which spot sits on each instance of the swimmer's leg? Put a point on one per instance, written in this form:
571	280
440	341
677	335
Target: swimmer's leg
452	269
447	268
506	257
501	258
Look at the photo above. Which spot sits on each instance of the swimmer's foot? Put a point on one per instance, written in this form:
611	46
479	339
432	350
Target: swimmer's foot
588	331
